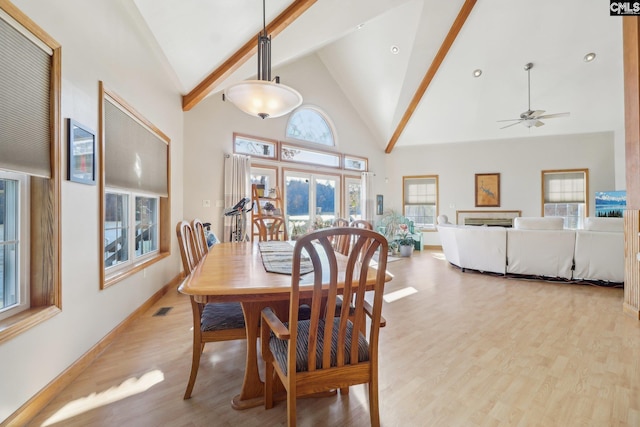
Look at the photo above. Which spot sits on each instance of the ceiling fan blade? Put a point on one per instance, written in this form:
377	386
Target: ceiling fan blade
509	120
538	123
553	116
512	124
536	114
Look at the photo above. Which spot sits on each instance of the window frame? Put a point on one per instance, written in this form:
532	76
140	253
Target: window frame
585	172
109	277
45	285
423	227
319	112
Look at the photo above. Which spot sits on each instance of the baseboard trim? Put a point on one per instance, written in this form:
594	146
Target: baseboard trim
630	311
432	247
33	406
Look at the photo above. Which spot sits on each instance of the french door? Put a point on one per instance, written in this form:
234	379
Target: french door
312	201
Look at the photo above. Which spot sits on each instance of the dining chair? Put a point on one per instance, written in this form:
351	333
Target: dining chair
341	243
200	238
361	223
295	353
271	228
212	322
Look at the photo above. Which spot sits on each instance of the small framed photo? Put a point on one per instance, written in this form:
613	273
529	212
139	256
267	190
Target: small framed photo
379	204
81	153
488	190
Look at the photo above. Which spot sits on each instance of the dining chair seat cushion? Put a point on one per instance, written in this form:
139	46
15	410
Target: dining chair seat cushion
280	347
221	316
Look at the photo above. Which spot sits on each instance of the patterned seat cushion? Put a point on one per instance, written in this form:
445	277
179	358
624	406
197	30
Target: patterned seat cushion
221	316
279	347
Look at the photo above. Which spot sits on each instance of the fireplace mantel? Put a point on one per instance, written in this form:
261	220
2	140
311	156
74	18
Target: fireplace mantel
488	218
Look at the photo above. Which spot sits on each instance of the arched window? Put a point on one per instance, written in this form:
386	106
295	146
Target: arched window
311	125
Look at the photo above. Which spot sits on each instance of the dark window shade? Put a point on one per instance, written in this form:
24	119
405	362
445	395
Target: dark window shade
25	75
135	158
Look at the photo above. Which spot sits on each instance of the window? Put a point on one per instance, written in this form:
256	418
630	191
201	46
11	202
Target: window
120	238
310	125
297	154
355	163
14	242
311	200
30	283
135	201
254	147
565	195
420	195
352	195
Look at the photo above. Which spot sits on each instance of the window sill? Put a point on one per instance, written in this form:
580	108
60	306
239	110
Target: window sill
116	277
21	322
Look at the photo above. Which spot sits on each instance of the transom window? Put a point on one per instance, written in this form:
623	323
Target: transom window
310	125
566	195
420	195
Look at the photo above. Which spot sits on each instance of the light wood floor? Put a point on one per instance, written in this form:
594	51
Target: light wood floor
465	350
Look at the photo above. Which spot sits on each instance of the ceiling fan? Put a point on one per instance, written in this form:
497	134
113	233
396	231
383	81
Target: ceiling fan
530	117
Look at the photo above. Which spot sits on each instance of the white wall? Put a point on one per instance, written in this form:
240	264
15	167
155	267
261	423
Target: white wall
209	129
519	162
100	41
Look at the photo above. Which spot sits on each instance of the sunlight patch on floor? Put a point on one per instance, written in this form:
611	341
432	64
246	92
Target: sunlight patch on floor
439	256
400	293
129	387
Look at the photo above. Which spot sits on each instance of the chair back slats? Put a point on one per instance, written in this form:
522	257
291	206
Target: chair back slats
271	228
341	243
186	241
361	223
200	238
328	328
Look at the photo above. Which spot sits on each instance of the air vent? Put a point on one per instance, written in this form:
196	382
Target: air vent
163	311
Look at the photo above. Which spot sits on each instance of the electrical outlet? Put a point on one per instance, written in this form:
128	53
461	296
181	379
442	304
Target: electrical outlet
206	203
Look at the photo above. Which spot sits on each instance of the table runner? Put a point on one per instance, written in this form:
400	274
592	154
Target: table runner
278	255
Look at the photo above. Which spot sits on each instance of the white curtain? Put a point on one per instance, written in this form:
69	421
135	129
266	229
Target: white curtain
367	197
237	184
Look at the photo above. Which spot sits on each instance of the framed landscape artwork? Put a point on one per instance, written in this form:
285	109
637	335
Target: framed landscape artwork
487	190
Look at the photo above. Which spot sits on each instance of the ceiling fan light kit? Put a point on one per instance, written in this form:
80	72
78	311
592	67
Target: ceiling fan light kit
531	118
263	97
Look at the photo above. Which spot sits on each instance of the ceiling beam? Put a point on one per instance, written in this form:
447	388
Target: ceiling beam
466	9
204	88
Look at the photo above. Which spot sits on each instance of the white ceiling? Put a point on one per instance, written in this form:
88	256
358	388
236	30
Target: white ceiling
499	37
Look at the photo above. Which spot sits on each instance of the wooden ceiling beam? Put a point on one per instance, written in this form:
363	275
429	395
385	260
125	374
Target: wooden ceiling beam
466	9
204	88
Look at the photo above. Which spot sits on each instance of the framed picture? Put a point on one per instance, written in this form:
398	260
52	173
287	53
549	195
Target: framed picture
81	149
379	204
487	190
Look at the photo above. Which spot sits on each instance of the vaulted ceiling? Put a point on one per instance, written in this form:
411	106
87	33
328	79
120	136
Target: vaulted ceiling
354	39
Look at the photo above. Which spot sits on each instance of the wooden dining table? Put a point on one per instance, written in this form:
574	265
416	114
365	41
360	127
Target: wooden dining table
235	272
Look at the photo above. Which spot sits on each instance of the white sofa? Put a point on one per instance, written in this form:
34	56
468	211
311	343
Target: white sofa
539	247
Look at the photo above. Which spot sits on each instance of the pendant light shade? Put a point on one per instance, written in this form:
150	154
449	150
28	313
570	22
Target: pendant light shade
263	97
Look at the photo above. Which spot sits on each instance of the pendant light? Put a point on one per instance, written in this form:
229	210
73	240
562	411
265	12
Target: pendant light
263	97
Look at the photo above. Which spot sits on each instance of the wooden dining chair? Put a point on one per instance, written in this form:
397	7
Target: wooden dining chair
200	238
295	353
361	223
341	243
212	322
271	228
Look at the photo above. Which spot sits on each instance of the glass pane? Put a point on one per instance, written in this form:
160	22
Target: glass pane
325	202
572	213
297	204
355	163
146	235
9	243
308	125
297	154
254	148
353	200
116	226
421	215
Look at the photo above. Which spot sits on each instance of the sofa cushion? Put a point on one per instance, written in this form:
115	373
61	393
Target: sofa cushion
538	223
604	224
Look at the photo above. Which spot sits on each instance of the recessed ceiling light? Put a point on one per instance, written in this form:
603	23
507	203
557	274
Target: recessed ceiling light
359	27
589	57
477	72
395	49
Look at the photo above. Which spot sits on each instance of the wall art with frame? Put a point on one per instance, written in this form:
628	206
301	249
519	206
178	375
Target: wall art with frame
487	188
81	153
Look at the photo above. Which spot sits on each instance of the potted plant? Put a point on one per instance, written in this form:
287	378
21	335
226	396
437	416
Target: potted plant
269	208
391	221
405	241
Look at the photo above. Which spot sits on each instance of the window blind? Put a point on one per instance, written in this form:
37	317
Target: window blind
135	157
25	82
420	191
566	187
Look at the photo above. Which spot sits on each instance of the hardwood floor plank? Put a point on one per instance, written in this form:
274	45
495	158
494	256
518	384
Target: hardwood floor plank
466	349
